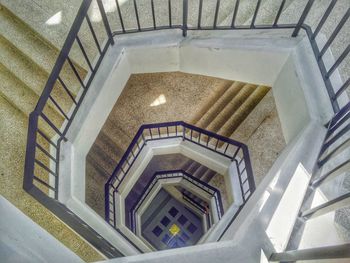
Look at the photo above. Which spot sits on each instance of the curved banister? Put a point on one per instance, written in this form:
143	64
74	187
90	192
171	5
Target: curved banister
59	132
160	175
235	151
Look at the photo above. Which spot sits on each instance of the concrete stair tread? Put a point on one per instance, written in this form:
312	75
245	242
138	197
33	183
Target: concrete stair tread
238	117
29	73
209	174
117	135
100	170
231	107
20	96
102	159
193	168
221	89
219	104
109	147
200	172
37	49
187	165
16	92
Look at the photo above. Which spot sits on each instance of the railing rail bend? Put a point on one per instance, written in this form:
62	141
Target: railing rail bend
235	151
161	175
44	185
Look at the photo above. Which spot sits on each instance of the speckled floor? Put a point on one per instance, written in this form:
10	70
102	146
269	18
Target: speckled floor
180	96
184	95
178	161
13	134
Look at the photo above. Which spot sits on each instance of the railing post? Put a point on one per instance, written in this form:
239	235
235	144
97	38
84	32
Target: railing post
184	17
107	202
303	17
105	21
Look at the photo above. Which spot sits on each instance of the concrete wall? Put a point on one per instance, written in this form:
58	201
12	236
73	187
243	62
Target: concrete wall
229	56
22	240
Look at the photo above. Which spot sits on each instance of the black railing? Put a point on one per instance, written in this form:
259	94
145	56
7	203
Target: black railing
336	144
160	175
46	134
235	151
202	209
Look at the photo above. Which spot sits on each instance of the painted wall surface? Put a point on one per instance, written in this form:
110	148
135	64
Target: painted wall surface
22	240
262	61
290	101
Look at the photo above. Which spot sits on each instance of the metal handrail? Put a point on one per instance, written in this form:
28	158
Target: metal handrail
337	127
160	175
30	181
201	208
233	150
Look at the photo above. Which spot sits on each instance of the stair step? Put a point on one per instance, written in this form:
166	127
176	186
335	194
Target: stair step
30	73
109	148
219	92
193	168
220	104
92	162
187	165
231	107
102	159
20	96
116	135
208	176
200	172
38	50
194	197
238	117
256	117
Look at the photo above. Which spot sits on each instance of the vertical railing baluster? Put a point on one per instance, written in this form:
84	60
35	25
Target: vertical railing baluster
137	16
342	89
200	9
216	13
184	17
67	90
280	10
75	72
169	12
335	33
324	18
252	24
120	15
59	108
84	53
153	15
338	62
93	33
302	18
105	21
235	14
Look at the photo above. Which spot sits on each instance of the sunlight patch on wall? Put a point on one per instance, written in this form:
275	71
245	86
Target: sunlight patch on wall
158	101
55	19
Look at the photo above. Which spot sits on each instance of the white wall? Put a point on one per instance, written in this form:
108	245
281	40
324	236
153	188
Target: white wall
261	60
22	240
290	101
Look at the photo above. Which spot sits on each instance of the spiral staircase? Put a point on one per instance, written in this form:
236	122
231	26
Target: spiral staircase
211	128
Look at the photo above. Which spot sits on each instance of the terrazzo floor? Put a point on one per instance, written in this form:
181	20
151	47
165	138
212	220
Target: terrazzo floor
162	97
